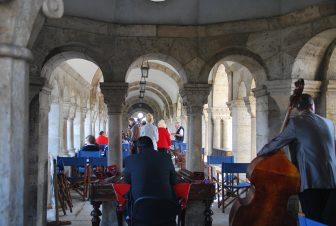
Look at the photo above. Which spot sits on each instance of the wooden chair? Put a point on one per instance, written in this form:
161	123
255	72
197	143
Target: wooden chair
232	186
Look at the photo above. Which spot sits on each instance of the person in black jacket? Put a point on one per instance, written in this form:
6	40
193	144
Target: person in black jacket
91	144
150	173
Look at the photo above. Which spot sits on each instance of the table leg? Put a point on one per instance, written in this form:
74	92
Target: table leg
96	213
119	217
208	213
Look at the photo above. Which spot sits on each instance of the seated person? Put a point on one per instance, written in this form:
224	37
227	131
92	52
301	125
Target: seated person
91	144
102	138
150	173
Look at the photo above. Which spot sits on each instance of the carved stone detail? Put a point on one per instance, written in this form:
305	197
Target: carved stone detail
53	8
114	96
195	96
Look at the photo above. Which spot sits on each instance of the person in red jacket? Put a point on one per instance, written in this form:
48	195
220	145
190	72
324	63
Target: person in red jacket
102	138
164	141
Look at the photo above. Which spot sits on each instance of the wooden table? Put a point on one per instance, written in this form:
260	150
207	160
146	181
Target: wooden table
104	193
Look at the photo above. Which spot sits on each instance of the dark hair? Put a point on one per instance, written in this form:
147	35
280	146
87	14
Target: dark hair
143	123
305	102
101	132
91	139
145	143
131	119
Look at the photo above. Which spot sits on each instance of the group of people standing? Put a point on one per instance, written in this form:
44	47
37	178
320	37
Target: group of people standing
159	134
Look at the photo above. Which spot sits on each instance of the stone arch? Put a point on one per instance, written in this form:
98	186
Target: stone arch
245	57
309	60
64	53
157	90
171	61
147	100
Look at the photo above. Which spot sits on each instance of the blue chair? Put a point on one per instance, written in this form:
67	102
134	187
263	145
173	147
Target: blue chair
215	175
98	162
232	185
89	154
307	222
77	182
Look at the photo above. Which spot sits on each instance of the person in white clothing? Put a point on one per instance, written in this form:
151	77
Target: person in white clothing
150	130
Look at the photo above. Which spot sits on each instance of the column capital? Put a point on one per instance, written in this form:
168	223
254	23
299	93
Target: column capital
114	96
195	96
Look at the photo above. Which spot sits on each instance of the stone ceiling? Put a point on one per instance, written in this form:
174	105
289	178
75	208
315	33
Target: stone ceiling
184	12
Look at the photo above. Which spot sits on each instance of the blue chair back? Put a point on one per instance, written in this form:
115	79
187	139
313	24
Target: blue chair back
217	160
88	154
102	147
98	162
126	150
184	146
234	167
71	161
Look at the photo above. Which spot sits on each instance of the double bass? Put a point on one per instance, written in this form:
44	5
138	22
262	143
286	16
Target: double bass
273	180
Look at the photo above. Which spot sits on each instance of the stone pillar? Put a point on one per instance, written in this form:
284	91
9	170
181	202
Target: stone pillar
78	129
70	130
64	130
114	97
82	125
70	137
227	130
13	130
250	102
194	97
217	132
210	132
261	120
17	19
87	124
37	170
241	131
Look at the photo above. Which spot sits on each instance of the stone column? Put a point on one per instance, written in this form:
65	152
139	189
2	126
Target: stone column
227	132
250	101
70	130
87	124
70	136
13	130
261	120
17	19
194	97
37	167
114	97
241	131
210	132
78	126
82	126
64	130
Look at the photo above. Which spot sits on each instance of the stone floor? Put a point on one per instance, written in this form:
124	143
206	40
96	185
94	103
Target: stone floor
80	215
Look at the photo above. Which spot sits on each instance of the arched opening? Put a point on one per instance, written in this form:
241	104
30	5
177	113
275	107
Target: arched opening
232	107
